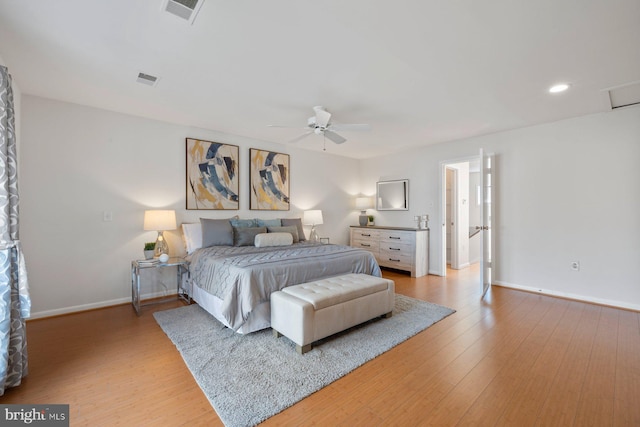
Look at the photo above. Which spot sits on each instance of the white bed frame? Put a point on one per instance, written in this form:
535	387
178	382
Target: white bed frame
260	317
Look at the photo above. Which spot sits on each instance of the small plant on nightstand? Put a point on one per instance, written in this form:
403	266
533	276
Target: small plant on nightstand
149	249
371	220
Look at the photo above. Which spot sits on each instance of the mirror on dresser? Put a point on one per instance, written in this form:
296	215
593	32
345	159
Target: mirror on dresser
392	195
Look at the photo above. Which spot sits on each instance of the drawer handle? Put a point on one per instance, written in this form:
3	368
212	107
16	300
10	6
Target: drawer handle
363	244
397	238
394	260
366	235
394	249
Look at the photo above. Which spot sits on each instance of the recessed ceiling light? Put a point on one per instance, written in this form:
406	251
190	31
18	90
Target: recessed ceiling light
558	88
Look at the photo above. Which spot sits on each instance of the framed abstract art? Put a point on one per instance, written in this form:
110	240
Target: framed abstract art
212	175
270	178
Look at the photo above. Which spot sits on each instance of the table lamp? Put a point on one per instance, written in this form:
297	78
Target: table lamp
312	218
362	204
160	221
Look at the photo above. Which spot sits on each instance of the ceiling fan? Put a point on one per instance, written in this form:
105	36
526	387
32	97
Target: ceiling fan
321	124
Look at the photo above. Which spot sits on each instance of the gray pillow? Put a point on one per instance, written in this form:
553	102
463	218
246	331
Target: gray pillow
290	229
298	223
268	222
216	232
245	236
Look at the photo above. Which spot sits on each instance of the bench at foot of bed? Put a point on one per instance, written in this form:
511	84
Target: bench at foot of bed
311	311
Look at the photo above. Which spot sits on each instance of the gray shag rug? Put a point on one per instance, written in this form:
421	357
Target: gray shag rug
249	378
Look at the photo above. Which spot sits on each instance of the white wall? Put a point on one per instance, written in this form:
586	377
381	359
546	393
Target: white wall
78	162
565	191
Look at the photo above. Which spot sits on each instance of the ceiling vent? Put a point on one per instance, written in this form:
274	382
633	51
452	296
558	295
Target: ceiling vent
185	9
147	79
625	95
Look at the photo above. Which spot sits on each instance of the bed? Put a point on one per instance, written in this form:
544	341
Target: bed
234	283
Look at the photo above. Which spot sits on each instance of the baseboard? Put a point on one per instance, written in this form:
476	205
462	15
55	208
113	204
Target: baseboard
575	297
463	266
93	306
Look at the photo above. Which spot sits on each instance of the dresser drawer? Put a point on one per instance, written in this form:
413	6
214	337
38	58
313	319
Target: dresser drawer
396	248
394	260
364	234
370	245
397	236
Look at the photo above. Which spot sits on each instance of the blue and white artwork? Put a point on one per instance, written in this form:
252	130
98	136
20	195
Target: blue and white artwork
270	180
212	175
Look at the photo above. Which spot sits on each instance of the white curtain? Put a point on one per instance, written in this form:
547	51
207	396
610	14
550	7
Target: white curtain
15	304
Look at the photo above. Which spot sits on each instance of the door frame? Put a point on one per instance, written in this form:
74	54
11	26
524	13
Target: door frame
443	206
453	216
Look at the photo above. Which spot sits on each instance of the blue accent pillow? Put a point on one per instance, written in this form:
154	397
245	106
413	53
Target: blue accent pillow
268	222
243	223
246	236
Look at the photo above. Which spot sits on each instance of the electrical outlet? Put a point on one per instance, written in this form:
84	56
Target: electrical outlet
575	265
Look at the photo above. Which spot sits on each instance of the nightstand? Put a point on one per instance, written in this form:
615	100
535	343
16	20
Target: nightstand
182	267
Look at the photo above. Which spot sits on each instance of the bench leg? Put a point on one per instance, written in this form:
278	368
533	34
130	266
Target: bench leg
388	315
303	349
276	334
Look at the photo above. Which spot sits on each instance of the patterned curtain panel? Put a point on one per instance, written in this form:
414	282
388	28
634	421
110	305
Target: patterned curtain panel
15	304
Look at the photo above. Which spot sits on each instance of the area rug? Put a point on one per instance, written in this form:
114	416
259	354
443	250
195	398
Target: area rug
249	378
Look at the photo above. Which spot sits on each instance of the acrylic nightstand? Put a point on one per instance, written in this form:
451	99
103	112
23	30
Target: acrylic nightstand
182	267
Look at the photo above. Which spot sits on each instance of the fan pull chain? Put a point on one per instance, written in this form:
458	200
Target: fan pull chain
324	142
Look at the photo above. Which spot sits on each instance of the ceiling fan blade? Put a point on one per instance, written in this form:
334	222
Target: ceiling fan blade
322	117
350	127
287	127
334	137
298	138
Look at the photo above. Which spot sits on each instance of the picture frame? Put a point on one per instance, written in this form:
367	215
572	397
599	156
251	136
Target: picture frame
212	175
269	176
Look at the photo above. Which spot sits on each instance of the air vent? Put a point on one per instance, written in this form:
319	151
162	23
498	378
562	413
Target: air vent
185	9
625	96
147	79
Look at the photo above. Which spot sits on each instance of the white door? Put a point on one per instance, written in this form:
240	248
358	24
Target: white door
487	178
452	235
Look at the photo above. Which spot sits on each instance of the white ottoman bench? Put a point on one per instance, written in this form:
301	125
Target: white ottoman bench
311	311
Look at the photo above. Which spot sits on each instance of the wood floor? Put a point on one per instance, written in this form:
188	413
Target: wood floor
512	359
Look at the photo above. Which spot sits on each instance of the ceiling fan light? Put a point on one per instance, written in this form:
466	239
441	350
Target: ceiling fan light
560	87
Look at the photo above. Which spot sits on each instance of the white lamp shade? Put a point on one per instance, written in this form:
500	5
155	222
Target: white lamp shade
160	220
363	203
313	217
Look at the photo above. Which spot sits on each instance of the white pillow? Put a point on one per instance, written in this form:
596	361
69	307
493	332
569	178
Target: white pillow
192	234
273	239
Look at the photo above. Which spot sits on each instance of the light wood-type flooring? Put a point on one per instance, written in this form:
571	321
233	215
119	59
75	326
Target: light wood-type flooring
512	359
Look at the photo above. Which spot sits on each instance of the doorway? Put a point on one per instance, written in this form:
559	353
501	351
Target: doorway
461	210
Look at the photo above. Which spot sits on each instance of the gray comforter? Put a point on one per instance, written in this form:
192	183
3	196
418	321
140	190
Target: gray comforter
244	277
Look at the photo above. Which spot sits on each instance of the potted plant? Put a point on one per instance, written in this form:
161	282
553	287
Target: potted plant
149	249
371	220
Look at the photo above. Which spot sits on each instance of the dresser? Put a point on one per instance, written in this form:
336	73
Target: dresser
395	247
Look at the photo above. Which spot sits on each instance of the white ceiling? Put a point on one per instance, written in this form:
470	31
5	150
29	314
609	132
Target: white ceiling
420	72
